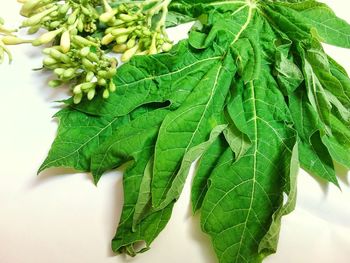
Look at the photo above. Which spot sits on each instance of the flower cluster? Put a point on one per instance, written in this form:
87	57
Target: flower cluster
132	29
60	18
84	66
81	32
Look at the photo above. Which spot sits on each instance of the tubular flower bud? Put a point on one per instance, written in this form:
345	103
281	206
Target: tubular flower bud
131	43
107	16
84	51
59	71
122	39
105	94
72	17
167	46
33	29
69	73
129	53
87	86
107	39
122	31
28	6
91	94
55	83
119	48
77	98
49	61
64	8
65	41
127	18
12	40
83	41
102	82
59	56
89	76
46	38
35	19
112	87
86	63
77	89
153	48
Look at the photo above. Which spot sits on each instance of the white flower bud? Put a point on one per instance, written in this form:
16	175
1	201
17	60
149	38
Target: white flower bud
12	40
105	94
102	82
91	94
89	76
119	48
107	16
122	31
72	17
64	8
167	46
28	6
59	71
131	43
122	39
77	98
127	18
32	30
129	53
84	51
46	38
107	39
35	19
112	87
65	41
49	61
68	73
87	86
55	83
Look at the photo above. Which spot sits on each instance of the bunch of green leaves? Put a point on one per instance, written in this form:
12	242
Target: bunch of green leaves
251	94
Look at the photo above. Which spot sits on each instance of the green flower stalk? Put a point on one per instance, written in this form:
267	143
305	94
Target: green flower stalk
132	29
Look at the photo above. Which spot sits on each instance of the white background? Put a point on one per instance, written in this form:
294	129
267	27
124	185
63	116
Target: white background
62	217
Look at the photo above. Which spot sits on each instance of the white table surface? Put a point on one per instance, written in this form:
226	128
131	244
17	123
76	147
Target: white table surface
61	216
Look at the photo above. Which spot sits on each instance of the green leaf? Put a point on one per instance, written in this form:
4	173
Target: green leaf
289	76
132	240
251	94
77	138
332	29
242	196
189	126
148	79
314	156
175	19
268	244
338	143
127	143
210	159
